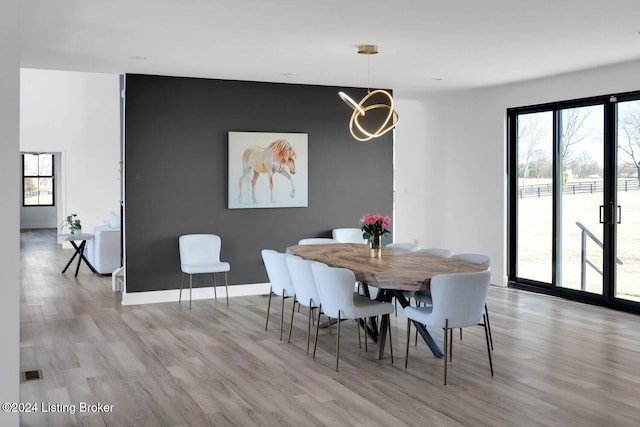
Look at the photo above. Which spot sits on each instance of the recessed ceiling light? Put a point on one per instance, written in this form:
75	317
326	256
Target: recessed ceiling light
138	57
288	75
436	79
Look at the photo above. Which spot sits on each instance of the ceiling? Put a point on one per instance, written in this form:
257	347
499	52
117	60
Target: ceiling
425	45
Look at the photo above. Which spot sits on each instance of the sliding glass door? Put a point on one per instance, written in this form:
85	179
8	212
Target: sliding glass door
627	284
574	199
580	195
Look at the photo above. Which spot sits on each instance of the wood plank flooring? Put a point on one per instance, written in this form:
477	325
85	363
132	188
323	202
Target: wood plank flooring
557	363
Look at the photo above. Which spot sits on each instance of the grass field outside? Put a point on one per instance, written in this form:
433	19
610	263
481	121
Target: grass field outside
535	240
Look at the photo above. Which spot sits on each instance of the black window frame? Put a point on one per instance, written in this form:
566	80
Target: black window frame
607	299
53	182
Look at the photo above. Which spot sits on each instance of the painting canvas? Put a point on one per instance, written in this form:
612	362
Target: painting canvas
268	170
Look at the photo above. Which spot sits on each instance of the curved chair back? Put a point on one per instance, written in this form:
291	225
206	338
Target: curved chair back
459	298
479	259
404	246
199	249
278	272
445	253
303	282
348	235
335	287
317	241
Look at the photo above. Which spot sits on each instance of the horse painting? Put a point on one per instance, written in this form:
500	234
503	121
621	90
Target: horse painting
278	157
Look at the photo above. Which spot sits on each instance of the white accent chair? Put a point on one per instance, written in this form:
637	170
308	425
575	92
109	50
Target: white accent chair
276	265
200	254
306	292
458	301
404	246
348	235
317	241
337	299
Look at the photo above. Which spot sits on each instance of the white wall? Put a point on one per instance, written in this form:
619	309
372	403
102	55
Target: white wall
465	208
78	115
416	173
9	209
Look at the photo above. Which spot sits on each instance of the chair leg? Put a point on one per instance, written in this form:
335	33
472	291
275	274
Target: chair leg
486	313
226	286
215	293
190	289
293	309
359	340
181	283
446	347
451	345
406	353
365	335
390	341
268	308
460	334
486	334
338	342
282	316
309	325
315	345
416	342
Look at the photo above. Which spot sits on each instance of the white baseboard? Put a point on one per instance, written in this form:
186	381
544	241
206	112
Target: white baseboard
173	295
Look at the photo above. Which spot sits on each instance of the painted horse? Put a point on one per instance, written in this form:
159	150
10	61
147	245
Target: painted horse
278	157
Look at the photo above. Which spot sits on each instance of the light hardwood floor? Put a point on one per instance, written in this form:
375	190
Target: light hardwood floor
557	363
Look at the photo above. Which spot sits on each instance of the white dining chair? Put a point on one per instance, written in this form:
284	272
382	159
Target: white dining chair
200	254
276	265
458	302
424	297
337	299
404	246
441	252
348	235
306	292
484	260
317	241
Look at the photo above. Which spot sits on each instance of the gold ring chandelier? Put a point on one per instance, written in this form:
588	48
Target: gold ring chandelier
374	100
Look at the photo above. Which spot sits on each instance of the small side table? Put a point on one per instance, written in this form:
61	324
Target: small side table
73	238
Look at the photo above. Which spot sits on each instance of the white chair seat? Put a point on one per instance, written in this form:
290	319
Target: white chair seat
217	267
364	306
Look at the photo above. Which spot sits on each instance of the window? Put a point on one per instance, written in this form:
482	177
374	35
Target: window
37	179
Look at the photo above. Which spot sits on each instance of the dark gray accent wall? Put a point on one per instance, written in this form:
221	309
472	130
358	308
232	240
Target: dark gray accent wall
176	132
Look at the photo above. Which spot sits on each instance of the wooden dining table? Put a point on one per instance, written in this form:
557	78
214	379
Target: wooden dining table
395	272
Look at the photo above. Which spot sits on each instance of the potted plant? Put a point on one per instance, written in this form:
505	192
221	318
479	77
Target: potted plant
72	222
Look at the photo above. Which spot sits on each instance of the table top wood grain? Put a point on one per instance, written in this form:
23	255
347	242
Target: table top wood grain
397	269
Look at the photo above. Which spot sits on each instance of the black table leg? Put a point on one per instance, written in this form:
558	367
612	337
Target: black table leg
79	250
72	258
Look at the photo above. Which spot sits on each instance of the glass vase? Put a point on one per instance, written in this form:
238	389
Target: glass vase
375	248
